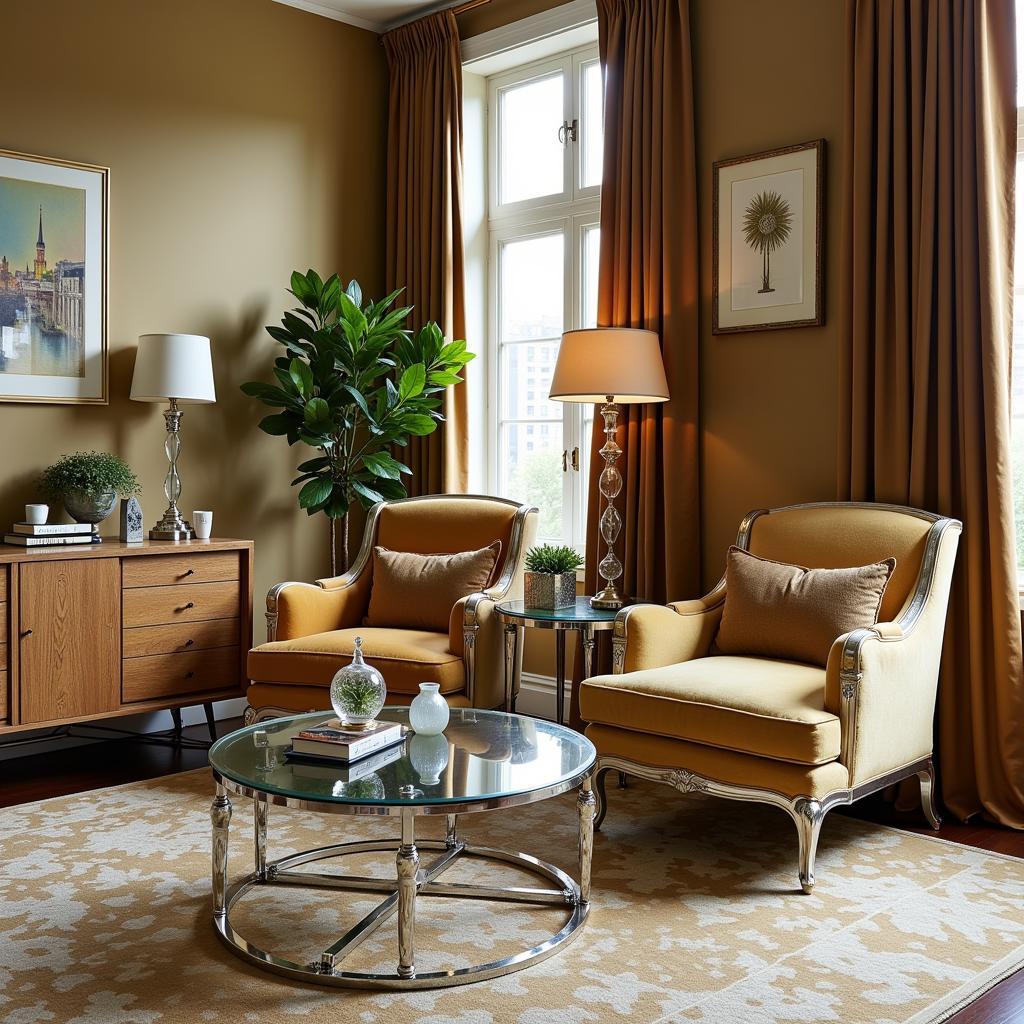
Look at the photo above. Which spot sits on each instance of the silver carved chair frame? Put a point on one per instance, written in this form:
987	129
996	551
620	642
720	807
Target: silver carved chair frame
478	607
854	654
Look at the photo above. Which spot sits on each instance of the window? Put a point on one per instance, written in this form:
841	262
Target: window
545	150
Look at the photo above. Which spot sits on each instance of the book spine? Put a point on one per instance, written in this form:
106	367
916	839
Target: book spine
39	542
46	529
359	748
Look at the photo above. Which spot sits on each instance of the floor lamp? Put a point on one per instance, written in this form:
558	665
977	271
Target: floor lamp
614	366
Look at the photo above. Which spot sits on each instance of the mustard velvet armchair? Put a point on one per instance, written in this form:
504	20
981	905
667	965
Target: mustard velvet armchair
805	738
311	627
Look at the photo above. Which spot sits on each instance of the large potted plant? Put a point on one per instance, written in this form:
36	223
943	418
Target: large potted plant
88	483
353	383
550	577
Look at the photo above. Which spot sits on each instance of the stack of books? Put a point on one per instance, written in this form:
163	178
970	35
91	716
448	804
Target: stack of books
45	535
333	741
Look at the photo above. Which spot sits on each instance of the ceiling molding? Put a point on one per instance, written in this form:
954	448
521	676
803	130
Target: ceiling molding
559	19
325	11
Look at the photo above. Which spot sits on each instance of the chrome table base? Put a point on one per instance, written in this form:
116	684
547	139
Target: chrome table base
413	881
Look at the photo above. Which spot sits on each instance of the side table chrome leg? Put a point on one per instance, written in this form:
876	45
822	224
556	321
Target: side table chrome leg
451	835
560	676
511	638
586	805
220	817
408	868
587	635
259	820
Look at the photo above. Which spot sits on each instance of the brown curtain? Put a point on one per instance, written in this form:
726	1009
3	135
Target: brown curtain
424	218
648	278
926	315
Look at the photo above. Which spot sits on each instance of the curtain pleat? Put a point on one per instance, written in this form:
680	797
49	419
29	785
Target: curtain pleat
648	278
424	219
926	313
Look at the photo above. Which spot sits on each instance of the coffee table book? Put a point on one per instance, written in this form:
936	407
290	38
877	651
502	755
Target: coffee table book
48	540
333	740
49	529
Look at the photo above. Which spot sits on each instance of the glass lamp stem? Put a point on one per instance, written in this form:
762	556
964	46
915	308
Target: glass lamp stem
172	526
610	484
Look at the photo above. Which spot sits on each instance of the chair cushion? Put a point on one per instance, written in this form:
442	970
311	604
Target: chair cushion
775	610
756	706
405	658
415	591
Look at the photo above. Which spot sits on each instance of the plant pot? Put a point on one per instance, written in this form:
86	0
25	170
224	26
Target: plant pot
89	508
549	590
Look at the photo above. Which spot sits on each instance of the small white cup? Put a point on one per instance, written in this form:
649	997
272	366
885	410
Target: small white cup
36	514
202	523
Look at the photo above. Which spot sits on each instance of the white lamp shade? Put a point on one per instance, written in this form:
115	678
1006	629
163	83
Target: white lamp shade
173	366
623	363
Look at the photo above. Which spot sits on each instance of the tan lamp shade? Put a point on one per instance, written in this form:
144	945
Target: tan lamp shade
173	366
620	363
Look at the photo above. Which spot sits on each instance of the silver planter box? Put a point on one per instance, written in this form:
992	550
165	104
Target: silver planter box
549	590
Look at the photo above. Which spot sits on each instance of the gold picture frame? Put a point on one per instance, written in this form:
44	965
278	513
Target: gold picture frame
54	293
767	246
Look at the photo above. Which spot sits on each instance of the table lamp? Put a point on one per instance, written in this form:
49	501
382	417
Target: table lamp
174	368
612	365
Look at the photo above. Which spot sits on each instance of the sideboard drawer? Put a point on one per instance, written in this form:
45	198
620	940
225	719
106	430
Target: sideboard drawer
170	570
173	675
143	641
3	686
3	582
3	628
155	606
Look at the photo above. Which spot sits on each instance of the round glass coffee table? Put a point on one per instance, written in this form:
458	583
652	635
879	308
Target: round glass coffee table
485	761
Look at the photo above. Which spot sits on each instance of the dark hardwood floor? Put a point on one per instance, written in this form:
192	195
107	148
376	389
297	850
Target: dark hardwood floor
39	776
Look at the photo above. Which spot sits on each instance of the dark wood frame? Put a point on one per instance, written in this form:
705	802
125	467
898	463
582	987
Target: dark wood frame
819	302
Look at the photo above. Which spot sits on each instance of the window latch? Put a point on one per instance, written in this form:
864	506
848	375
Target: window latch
565	460
576	459
569	132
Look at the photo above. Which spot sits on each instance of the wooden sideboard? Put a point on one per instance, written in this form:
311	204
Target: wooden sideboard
114	629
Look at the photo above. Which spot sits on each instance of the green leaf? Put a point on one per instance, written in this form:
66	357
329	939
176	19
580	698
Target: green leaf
314	465
268	393
303	290
279	424
316	492
413	381
358	398
382	464
302	377
368	495
355	293
317	416
416	423
443	377
337	507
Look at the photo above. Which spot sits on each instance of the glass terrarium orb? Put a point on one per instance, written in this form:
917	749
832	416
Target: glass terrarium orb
358	691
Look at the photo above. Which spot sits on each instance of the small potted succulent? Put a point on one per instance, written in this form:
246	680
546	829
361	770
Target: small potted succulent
88	483
550	577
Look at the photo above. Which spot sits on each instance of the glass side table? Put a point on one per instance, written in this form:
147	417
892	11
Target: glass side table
579	617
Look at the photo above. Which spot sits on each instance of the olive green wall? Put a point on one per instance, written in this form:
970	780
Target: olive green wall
245	138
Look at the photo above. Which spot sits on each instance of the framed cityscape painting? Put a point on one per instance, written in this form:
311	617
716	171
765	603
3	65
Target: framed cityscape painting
767	245
53	280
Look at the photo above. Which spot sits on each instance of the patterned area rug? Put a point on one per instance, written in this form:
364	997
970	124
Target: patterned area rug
104	918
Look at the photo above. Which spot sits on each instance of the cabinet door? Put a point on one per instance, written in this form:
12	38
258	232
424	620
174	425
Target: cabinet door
70	638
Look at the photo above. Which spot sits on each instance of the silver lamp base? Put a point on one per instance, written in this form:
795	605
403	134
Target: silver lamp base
608	597
172	527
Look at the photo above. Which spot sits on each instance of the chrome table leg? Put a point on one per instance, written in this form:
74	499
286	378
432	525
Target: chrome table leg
408	869
586	805
511	638
451	826
220	817
560	676
587	635
259	820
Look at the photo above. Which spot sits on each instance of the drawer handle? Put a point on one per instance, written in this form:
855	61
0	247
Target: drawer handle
25	633
189	674
185	607
189	643
189	572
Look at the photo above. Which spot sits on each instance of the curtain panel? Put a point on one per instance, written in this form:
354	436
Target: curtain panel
926	310
648	278
424	218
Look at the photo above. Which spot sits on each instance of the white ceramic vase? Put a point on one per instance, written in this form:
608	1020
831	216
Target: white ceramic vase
428	713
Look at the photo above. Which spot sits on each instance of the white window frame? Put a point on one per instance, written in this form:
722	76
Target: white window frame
570	211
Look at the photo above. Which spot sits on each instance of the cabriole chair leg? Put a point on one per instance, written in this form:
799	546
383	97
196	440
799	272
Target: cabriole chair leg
808	815
601	796
928	801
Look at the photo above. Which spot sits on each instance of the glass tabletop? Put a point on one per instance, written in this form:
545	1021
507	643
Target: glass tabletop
580	612
482	756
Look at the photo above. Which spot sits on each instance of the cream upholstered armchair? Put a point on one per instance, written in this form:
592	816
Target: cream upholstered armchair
311	628
805	738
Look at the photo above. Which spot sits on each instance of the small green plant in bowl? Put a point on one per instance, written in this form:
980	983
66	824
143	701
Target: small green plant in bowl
550	577
88	483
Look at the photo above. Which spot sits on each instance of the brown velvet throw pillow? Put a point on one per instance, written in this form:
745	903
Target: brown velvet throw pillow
775	610
413	591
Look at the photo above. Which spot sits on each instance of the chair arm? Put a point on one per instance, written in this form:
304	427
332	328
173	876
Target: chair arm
652	635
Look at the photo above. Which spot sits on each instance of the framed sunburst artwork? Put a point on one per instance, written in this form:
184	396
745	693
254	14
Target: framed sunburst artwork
767	244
